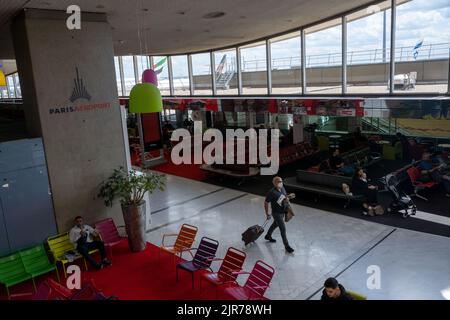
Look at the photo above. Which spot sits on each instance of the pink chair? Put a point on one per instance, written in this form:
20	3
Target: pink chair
109	233
256	285
228	271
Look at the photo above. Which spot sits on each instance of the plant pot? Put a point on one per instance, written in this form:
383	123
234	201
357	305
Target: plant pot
134	217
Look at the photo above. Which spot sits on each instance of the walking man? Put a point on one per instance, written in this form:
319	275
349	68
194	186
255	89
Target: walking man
278	200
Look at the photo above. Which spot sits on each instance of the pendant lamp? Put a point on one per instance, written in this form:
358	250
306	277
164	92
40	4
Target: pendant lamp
145	98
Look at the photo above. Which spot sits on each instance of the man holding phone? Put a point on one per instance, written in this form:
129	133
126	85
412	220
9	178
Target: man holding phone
279	202
82	237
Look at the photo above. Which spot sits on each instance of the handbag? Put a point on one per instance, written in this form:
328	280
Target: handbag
289	214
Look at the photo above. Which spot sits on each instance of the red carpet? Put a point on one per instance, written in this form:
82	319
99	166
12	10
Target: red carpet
137	276
189	171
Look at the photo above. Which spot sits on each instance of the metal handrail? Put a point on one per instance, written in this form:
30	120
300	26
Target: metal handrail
402	54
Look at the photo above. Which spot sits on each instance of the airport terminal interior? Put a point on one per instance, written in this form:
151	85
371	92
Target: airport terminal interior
224	150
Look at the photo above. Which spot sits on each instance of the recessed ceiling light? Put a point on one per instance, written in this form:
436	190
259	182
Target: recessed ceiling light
181	12
145	9
214	15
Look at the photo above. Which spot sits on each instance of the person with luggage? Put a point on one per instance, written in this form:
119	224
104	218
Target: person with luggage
279	203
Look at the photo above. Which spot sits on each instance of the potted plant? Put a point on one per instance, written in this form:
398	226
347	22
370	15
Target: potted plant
130	188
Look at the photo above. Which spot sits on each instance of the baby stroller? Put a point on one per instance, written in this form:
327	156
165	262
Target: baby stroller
395	201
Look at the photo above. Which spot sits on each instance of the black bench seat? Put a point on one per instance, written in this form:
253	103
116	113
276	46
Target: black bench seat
322	184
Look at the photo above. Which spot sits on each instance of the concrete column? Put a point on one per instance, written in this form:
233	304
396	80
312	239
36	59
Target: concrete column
70	99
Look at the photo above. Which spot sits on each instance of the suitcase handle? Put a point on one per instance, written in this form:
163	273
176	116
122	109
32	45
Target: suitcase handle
265	223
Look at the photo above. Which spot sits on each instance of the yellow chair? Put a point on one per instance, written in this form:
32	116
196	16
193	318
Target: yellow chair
59	245
356	296
388	152
323	142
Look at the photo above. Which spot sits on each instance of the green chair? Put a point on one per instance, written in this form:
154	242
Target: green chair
12	272
35	261
356	296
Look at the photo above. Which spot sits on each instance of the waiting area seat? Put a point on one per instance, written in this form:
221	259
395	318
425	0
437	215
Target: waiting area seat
36	263
12	271
109	233
414	175
184	240
322	184
60	246
256	285
228	271
204	256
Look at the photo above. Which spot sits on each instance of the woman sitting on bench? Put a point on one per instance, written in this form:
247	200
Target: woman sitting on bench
360	186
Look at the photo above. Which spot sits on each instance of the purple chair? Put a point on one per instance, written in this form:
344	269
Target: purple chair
204	255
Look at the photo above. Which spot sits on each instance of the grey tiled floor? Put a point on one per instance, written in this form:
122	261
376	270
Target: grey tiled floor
413	265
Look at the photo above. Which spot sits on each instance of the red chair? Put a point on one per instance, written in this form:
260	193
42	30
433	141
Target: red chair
59	291
256	285
204	256
109	233
231	264
414	175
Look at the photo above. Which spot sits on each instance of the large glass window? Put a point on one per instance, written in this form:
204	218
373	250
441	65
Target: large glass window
128	73
226	72
368	49
180	72
143	63
324	58
254	68
161	68
10	84
286	64
17	82
422	39
118	81
201	74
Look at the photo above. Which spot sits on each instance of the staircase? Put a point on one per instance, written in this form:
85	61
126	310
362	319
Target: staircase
223	80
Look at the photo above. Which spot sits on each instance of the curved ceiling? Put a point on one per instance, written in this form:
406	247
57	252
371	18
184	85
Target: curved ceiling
180	26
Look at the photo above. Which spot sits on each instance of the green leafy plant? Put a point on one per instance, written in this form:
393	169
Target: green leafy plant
129	187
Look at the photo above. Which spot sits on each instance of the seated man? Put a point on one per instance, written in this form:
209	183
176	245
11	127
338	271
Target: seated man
82	237
361	186
336	160
334	291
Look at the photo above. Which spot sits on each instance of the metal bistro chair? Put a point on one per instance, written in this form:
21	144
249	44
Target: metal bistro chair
204	256
231	264
256	285
184	240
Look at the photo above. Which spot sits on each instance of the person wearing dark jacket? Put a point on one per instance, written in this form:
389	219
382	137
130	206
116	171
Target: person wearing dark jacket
360	186
334	291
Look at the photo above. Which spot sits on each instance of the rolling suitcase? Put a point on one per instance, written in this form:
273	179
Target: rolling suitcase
253	233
